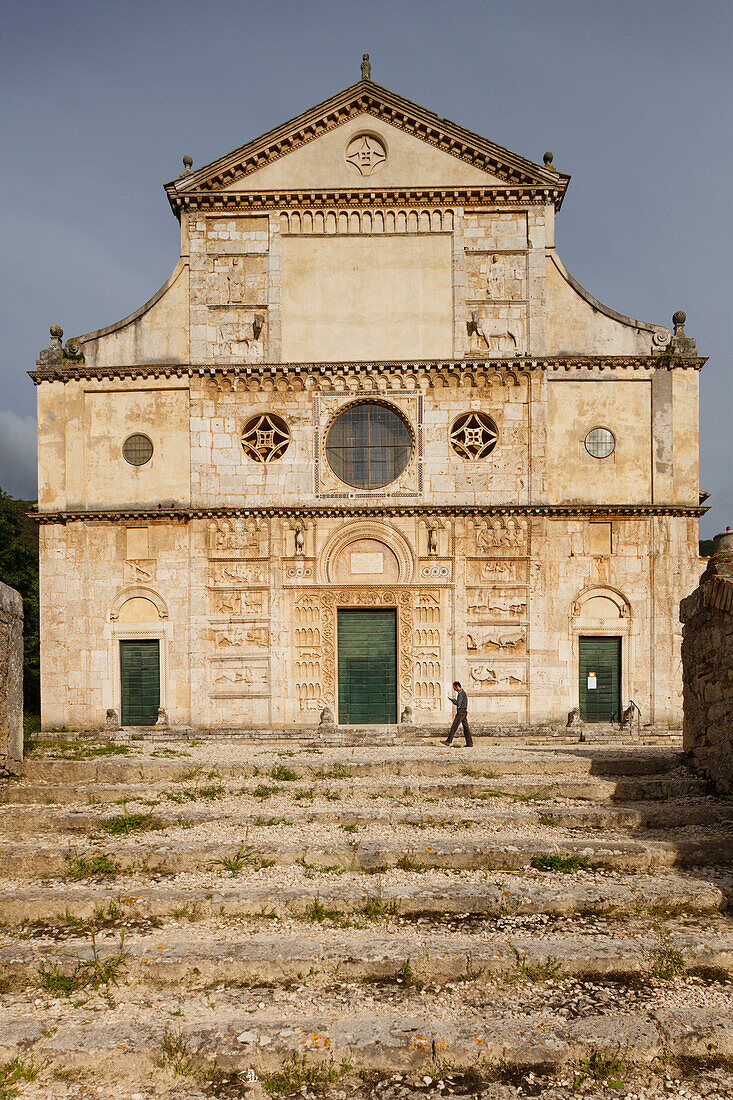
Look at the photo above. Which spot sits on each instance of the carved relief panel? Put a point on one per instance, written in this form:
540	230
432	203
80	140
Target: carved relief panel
238	537
239	676
496	277
426	644
308	653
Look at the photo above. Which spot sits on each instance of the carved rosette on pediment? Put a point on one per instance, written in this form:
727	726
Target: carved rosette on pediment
327	405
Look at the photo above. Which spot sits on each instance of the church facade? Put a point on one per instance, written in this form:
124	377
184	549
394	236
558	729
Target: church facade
370	437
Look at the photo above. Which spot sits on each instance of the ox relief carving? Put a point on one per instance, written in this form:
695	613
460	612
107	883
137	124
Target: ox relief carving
242	636
498	331
502	643
504	531
235	604
496	571
426	680
239	676
308	652
503	604
499	677
225	574
241	537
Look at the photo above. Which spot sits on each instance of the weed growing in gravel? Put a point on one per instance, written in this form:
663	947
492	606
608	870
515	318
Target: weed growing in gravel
601	1067
123	824
189	912
405	974
376	907
666	960
246	856
548	971
407	862
17	1070
199	790
297	1072
99	865
331	796
565	864
337	771
283	774
87	973
169	752
304	794
262	790
318	912
174	1054
549	819
350	827
265	821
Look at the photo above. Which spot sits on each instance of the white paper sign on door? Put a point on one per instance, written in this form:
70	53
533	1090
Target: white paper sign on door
592	681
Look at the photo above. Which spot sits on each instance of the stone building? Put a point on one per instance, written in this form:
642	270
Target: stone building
369	437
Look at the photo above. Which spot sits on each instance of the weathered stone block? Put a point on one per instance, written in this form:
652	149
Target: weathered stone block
11	680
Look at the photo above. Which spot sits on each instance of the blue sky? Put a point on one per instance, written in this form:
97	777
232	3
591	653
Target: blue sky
101	100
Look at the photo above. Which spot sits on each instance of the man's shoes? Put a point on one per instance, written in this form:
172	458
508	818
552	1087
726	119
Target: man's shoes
446	742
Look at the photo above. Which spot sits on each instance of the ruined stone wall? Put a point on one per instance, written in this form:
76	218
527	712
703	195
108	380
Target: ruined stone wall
707	660
11	680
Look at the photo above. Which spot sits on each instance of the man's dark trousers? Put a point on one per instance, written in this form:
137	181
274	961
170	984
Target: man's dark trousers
461	718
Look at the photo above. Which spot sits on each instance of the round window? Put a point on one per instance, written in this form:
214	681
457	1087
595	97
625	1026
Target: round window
265	437
474	435
600	443
368	445
137	450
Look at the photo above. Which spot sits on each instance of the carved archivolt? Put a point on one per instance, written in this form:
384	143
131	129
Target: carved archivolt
138	592
609	598
379	532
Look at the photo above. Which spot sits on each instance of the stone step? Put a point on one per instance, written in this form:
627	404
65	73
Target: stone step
520	788
408	894
164	856
445	762
379	1040
170	958
34	819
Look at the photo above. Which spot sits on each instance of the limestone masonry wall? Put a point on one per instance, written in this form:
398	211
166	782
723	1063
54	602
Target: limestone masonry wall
707	660
11	680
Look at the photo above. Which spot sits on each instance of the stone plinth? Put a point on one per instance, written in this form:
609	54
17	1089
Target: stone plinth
707	660
11	680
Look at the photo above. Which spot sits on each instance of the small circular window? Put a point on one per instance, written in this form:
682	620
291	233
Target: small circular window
600	443
137	450
368	445
265	437
474	435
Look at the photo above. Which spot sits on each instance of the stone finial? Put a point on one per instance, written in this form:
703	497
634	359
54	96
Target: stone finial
547	158
56	335
55	353
366	67
187	165
681	343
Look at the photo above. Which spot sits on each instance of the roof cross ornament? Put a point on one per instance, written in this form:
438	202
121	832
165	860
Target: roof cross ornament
366	67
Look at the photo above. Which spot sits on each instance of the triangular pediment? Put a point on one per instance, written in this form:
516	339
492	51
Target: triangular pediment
363	138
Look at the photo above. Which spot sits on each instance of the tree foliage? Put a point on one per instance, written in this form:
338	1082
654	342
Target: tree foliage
19	569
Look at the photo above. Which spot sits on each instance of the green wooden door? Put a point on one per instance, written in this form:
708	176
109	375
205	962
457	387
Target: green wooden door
600	679
140	675
367	663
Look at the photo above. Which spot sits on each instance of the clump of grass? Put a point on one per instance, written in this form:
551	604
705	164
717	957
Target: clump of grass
565	864
282	774
376	908
297	1073
407	862
337	771
123	824
318	912
245	856
331	796
189	912
550	970
61	749
350	827
98	865
16	1071
87	973
197	792
174	1054
266	821
666	960
303	794
405	973
602	1067
262	790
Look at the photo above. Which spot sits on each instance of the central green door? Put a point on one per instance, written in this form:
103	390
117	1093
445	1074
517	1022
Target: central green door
600	679
140	675
367	664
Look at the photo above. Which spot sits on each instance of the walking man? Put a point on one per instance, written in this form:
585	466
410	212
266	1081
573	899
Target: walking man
461	704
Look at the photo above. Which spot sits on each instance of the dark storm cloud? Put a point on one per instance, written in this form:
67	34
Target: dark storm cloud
102	99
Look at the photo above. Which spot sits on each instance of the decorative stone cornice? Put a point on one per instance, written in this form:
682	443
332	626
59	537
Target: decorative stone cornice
315	511
466	371
366	97
451	197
